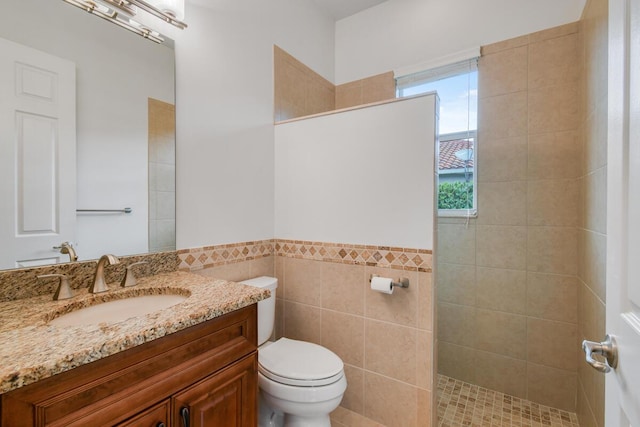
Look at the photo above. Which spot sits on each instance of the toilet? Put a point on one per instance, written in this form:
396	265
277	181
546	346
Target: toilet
301	383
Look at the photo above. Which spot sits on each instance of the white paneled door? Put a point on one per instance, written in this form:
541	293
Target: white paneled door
622	389
37	155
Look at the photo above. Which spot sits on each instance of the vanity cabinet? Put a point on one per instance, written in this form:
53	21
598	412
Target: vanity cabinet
203	375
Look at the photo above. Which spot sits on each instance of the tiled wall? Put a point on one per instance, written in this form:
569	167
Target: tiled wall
323	296
365	91
162	176
385	341
507	287
592	218
298	90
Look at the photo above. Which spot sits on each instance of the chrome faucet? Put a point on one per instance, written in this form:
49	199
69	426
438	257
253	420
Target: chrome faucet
99	285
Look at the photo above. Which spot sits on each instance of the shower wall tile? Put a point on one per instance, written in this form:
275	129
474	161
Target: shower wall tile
552	250
298	90
503	72
595	150
595	198
554	108
502	203
501	333
497	372
457	324
503	116
552	387
552	343
501	246
457	361
555	61
553	202
457	244
552	297
524	291
502	159
457	284
501	290
555	155
376	88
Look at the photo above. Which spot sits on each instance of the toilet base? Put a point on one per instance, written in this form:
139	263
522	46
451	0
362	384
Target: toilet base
269	417
297	421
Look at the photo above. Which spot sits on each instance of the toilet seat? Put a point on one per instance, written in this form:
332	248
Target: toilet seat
299	363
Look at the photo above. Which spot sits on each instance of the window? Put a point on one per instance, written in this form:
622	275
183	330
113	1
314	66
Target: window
457	87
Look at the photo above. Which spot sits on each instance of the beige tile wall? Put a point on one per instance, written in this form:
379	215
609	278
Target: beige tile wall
324	296
298	90
384	340
365	91
162	176
507	288
592	218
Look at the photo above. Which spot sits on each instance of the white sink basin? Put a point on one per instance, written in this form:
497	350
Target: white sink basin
117	310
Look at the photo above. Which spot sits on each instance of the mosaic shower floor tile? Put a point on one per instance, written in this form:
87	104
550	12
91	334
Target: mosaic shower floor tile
464	404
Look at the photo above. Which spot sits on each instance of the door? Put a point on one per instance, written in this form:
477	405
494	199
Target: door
37	155
622	387
227	398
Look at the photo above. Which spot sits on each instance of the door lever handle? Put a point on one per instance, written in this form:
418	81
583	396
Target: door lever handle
606	348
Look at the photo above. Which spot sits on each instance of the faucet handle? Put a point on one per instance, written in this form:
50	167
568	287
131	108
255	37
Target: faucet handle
129	279
64	288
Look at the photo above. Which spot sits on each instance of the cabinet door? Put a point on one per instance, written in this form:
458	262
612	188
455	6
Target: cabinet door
227	398
156	416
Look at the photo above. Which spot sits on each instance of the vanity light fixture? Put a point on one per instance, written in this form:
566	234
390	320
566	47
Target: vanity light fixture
120	12
115	17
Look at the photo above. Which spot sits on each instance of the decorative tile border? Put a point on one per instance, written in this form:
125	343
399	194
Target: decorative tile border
215	256
376	256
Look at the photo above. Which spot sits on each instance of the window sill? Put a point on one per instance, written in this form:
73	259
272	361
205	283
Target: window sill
457	213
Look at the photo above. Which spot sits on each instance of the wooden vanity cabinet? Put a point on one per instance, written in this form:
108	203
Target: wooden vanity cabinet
202	375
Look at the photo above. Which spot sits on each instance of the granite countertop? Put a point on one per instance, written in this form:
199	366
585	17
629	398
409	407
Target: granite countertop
31	349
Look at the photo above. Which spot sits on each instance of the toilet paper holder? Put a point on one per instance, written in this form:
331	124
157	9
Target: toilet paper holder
402	282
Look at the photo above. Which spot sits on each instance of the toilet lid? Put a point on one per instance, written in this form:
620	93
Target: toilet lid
299	363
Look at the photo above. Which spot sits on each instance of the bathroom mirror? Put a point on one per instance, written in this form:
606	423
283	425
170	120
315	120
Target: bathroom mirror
124	134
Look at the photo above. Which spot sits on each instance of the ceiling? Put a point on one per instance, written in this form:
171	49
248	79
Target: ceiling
339	9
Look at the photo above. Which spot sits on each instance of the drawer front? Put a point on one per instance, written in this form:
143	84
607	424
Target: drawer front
157	416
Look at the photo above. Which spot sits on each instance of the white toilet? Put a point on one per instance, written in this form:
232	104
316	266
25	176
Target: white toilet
301	383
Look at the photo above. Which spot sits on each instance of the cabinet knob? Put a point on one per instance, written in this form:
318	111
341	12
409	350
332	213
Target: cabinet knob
161	424
184	413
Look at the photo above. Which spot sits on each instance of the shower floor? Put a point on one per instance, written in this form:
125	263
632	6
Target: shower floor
464	404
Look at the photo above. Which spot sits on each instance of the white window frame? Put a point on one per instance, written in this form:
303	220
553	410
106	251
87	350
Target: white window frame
443	71
460	213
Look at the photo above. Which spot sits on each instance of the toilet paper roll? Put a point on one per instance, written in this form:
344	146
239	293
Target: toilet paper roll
382	284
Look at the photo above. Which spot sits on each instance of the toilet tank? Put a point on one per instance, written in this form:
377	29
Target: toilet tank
266	307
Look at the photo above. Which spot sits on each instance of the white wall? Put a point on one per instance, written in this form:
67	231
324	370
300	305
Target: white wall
402	33
224	81
117	71
364	176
